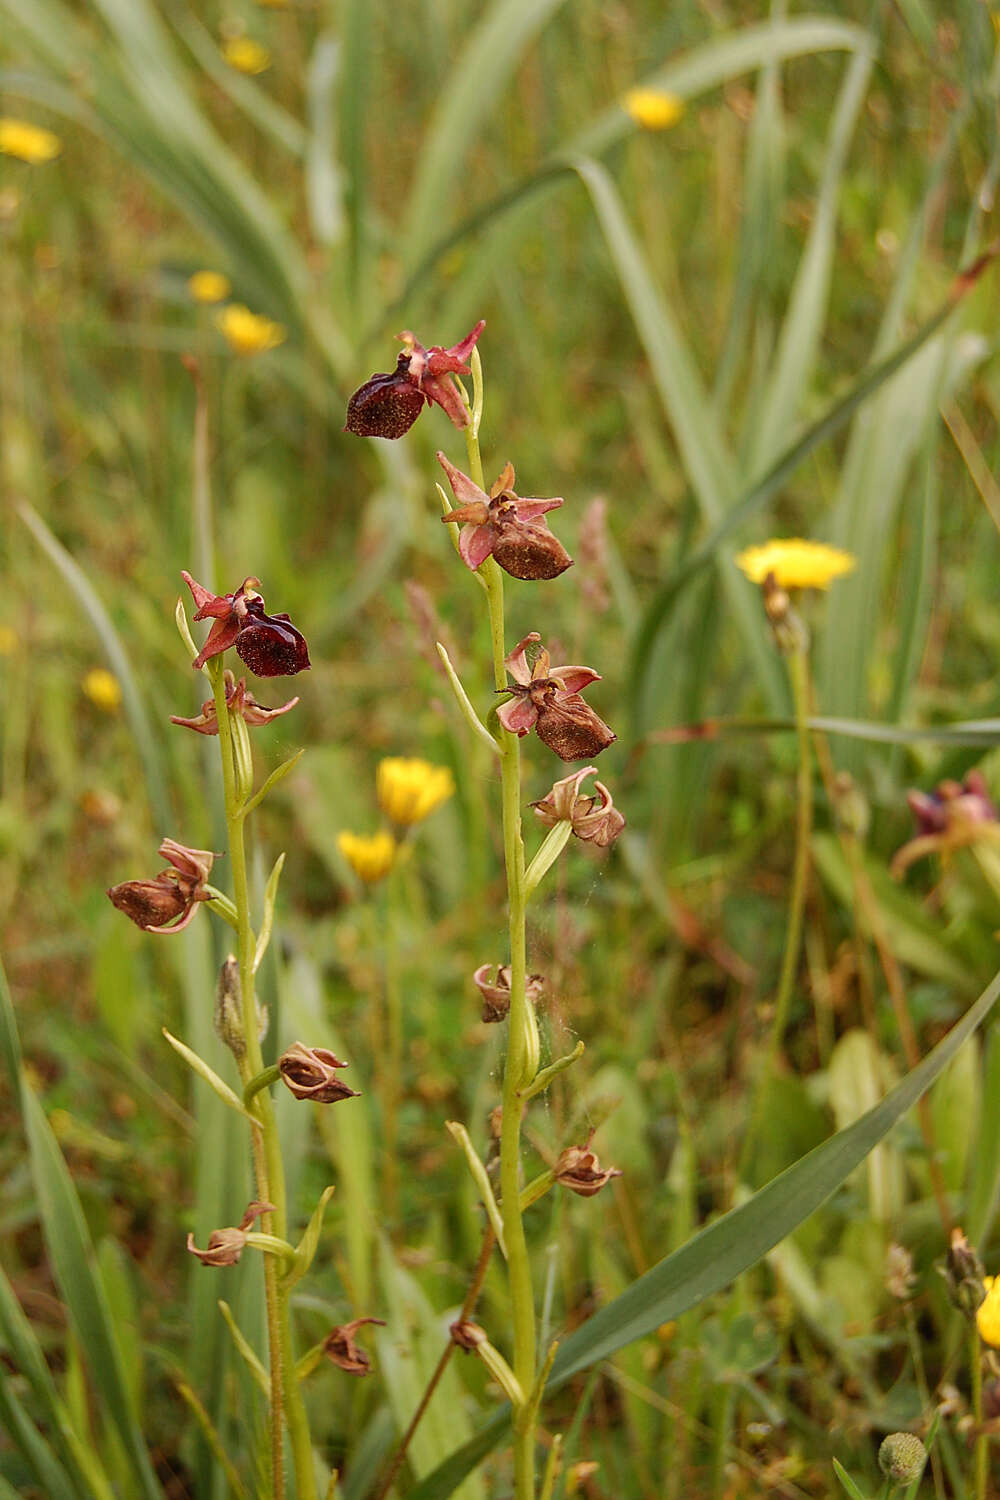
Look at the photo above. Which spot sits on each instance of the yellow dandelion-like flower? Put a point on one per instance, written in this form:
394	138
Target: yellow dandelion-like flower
371	858
246	55
409	790
652	108
247	332
988	1313
103	689
209	286
9	640
795	564
28	143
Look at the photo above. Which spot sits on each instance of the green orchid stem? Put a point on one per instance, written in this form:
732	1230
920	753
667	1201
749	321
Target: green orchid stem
262	1080
286	1404
798	671
522	1047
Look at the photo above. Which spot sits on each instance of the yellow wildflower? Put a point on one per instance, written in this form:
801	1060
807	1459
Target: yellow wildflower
795	564
988	1313
209	286
653	109
103	689
28	143
409	790
246	332
9	640
246	55
372	858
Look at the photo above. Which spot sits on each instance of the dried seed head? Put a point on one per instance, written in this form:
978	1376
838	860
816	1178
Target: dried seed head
340	1348
579	1170
311	1073
965	1278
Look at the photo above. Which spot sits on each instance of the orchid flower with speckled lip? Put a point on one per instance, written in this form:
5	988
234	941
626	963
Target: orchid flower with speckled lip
388	405
547	699
269	645
596	820
310	1073
239	700
503	525
155	905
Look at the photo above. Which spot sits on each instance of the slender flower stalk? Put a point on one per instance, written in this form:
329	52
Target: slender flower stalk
286	1403
522	1048
798	671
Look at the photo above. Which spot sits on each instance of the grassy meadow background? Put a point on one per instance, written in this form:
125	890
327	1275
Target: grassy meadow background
680	325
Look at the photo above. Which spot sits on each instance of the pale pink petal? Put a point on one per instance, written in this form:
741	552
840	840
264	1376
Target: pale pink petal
574	679
178	926
465	491
528	510
516	661
518	716
475	543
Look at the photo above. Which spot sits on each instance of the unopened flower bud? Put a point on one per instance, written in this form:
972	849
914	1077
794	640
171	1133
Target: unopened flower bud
579	1170
225	1246
340	1348
310	1073
228	1018
851	805
787	625
964	1275
902	1457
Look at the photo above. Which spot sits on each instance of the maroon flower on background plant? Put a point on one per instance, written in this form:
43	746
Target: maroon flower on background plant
270	645
339	1346
154	905
239	700
388	405
547	699
310	1073
505	526
951	817
225	1246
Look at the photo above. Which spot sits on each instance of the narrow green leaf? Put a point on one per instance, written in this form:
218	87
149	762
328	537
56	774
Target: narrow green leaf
710	467
847	1481
210	1076
324	192
72	1257
306	1248
464	101
722	1251
267	915
272	781
970	732
33	1447
135	708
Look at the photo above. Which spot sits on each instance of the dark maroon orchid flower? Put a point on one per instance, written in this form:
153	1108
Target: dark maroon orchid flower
239	700
503	525
954	816
547	699
270	645
388	405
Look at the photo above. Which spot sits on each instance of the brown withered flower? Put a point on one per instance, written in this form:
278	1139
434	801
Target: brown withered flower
579	1170
496	992
239	700
467	1335
155	905
547	699
270	645
596	820
503	525
339	1346
310	1073
387	406
225	1246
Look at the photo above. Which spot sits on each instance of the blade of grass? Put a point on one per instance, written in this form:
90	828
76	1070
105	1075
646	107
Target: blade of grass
464	103
118	660
719	1253
700	440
